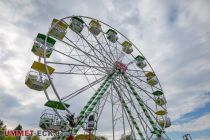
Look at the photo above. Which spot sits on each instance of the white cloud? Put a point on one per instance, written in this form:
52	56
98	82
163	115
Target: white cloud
202	123
202	138
178	50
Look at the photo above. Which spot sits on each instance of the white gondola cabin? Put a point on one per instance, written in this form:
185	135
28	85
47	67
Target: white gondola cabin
94	27
164	122
91	122
38	46
127	47
112	35
37	82
58	29
77	24
50	121
151	78
140	61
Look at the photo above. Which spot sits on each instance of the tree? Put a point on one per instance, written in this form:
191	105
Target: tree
32	138
101	138
9	138
126	137
2	129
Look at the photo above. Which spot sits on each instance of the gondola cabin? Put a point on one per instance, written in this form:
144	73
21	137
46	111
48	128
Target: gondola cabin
164	123
157	93
58	29
151	78
91	122
160	101
140	61
50	121
77	24
161	112
94	27
42	68
36	82
127	47
56	105
112	35
39	45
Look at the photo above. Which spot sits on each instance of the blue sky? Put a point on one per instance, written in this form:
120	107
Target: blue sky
173	35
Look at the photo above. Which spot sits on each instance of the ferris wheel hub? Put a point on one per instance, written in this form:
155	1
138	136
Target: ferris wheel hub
120	66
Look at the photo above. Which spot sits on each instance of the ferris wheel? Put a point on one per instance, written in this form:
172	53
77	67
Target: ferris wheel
95	81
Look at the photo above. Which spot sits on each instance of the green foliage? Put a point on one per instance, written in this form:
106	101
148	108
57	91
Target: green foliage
9	138
32	138
2	129
126	137
101	138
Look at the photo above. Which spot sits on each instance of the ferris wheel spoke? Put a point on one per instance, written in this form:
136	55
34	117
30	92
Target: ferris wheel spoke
102	37
128	112
149	108
100	53
131	101
79	65
103	105
95	98
145	91
151	111
92	48
88	86
119	81
132	70
92	57
133	104
75	59
143	81
141	103
100	46
107	45
74	73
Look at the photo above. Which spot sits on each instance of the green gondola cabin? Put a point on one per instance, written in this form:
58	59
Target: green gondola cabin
127	47
140	61
94	27
58	29
112	35
39	45
56	105
157	93
77	24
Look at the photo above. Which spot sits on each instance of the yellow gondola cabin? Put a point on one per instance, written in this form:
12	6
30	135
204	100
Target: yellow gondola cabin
58	29
94	27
